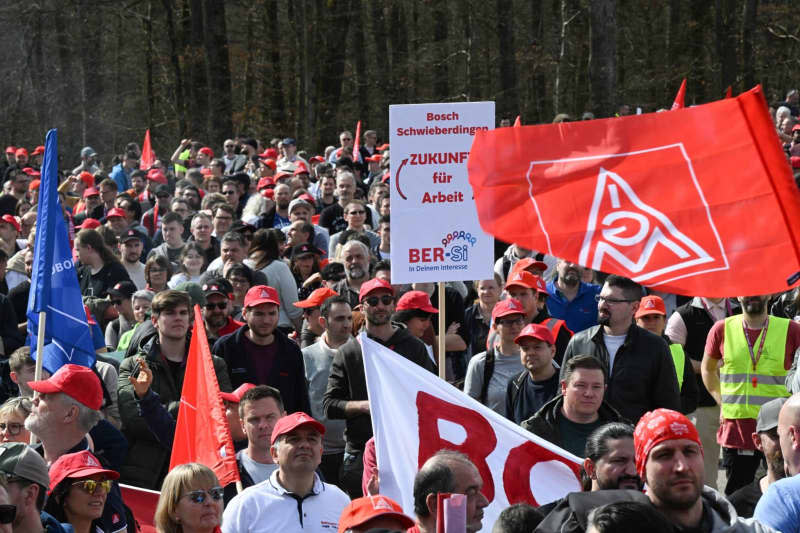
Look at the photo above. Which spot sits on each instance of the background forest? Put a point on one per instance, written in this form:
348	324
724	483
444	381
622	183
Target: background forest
105	70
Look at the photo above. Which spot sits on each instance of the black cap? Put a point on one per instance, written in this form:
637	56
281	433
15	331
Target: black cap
218	286
131	234
123	289
305	248
163	190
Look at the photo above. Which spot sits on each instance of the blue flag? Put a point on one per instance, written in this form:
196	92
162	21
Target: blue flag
54	281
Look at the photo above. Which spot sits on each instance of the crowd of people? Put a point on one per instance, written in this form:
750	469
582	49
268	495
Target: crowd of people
287	253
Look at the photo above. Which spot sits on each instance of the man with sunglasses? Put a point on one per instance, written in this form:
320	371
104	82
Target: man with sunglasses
294	498
120	297
217	311
641	375
346	394
26	481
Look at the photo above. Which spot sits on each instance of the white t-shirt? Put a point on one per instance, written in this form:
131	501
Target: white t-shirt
613	342
268	507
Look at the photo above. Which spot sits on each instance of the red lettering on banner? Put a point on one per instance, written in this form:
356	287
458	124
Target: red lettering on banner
480	442
425	255
516	473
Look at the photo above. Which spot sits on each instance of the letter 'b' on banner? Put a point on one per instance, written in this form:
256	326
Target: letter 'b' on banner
700	201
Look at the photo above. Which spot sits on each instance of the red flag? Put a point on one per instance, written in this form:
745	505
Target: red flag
143	503
202	434
356	141
680	97
699	202
148	156
517	122
729	92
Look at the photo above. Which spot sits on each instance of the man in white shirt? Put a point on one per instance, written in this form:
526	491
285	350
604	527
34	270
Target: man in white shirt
293	498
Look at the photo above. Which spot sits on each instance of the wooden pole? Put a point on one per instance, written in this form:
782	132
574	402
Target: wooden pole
442	333
37	375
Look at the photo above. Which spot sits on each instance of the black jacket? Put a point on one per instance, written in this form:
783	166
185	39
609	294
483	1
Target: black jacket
570	515
288	373
347	382
643	375
545	422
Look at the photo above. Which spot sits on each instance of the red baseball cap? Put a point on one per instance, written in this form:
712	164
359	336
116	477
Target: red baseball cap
271	153
282	174
86	178
90	191
236	396
89	223
207	151
289	423
261	294
536	331
382	147
651	305
522	278
77	382
11	149
34	184
375	158
373	285
509	306
31	172
156	175
11	219
39	150
115	212
416	300
77	465
300	169
361	510
21	151
264	182
316	298
317	159
529	262
270	162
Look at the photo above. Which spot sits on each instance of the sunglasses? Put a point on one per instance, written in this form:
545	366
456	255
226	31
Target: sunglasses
7	513
385	300
13	428
117	302
219	305
228	192
199	496
90	485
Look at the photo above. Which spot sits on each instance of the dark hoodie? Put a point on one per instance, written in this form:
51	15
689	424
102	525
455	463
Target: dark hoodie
347	382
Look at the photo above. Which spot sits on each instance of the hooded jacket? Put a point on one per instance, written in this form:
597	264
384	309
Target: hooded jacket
724	518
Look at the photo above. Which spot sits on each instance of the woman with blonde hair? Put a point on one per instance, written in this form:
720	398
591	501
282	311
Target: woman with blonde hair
12	420
190	501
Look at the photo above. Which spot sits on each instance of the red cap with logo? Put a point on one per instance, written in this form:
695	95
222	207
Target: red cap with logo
289	423
89	223
509	306
236	396
536	331
261	294
77	465
156	175
651	305
361	510
39	150
115	212
77	382
11	219
416	300
316	298
373	285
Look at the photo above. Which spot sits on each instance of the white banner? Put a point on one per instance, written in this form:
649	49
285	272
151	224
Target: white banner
435	234
407	402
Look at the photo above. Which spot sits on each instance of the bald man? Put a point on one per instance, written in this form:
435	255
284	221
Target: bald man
779	507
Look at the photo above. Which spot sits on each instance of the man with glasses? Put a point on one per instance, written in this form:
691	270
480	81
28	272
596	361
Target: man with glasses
355	214
346	394
27	481
233	162
489	372
223	219
151	220
230	189
641	375
120	297
332	217
294	498
217	311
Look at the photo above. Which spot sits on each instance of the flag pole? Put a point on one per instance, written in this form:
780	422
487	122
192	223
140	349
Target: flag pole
442	333
37	375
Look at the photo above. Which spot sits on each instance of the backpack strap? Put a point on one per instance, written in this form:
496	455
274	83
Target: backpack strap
488	371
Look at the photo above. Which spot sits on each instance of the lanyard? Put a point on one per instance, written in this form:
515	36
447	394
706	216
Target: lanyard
756	357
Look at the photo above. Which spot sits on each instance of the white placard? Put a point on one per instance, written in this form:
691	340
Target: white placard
435	232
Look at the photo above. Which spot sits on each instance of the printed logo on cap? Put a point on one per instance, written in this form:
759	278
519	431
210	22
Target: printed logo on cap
679	429
517	277
91	461
379	502
512	304
649	304
264	293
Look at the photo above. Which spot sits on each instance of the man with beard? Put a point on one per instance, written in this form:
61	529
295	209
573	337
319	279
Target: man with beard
669	459
130	247
641	375
756	351
300	211
355	256
346	395
571	299
217	311
766	441
780	506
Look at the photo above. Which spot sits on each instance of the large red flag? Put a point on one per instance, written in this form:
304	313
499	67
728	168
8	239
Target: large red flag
148	156
700	202
202	434
356	141
680	97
